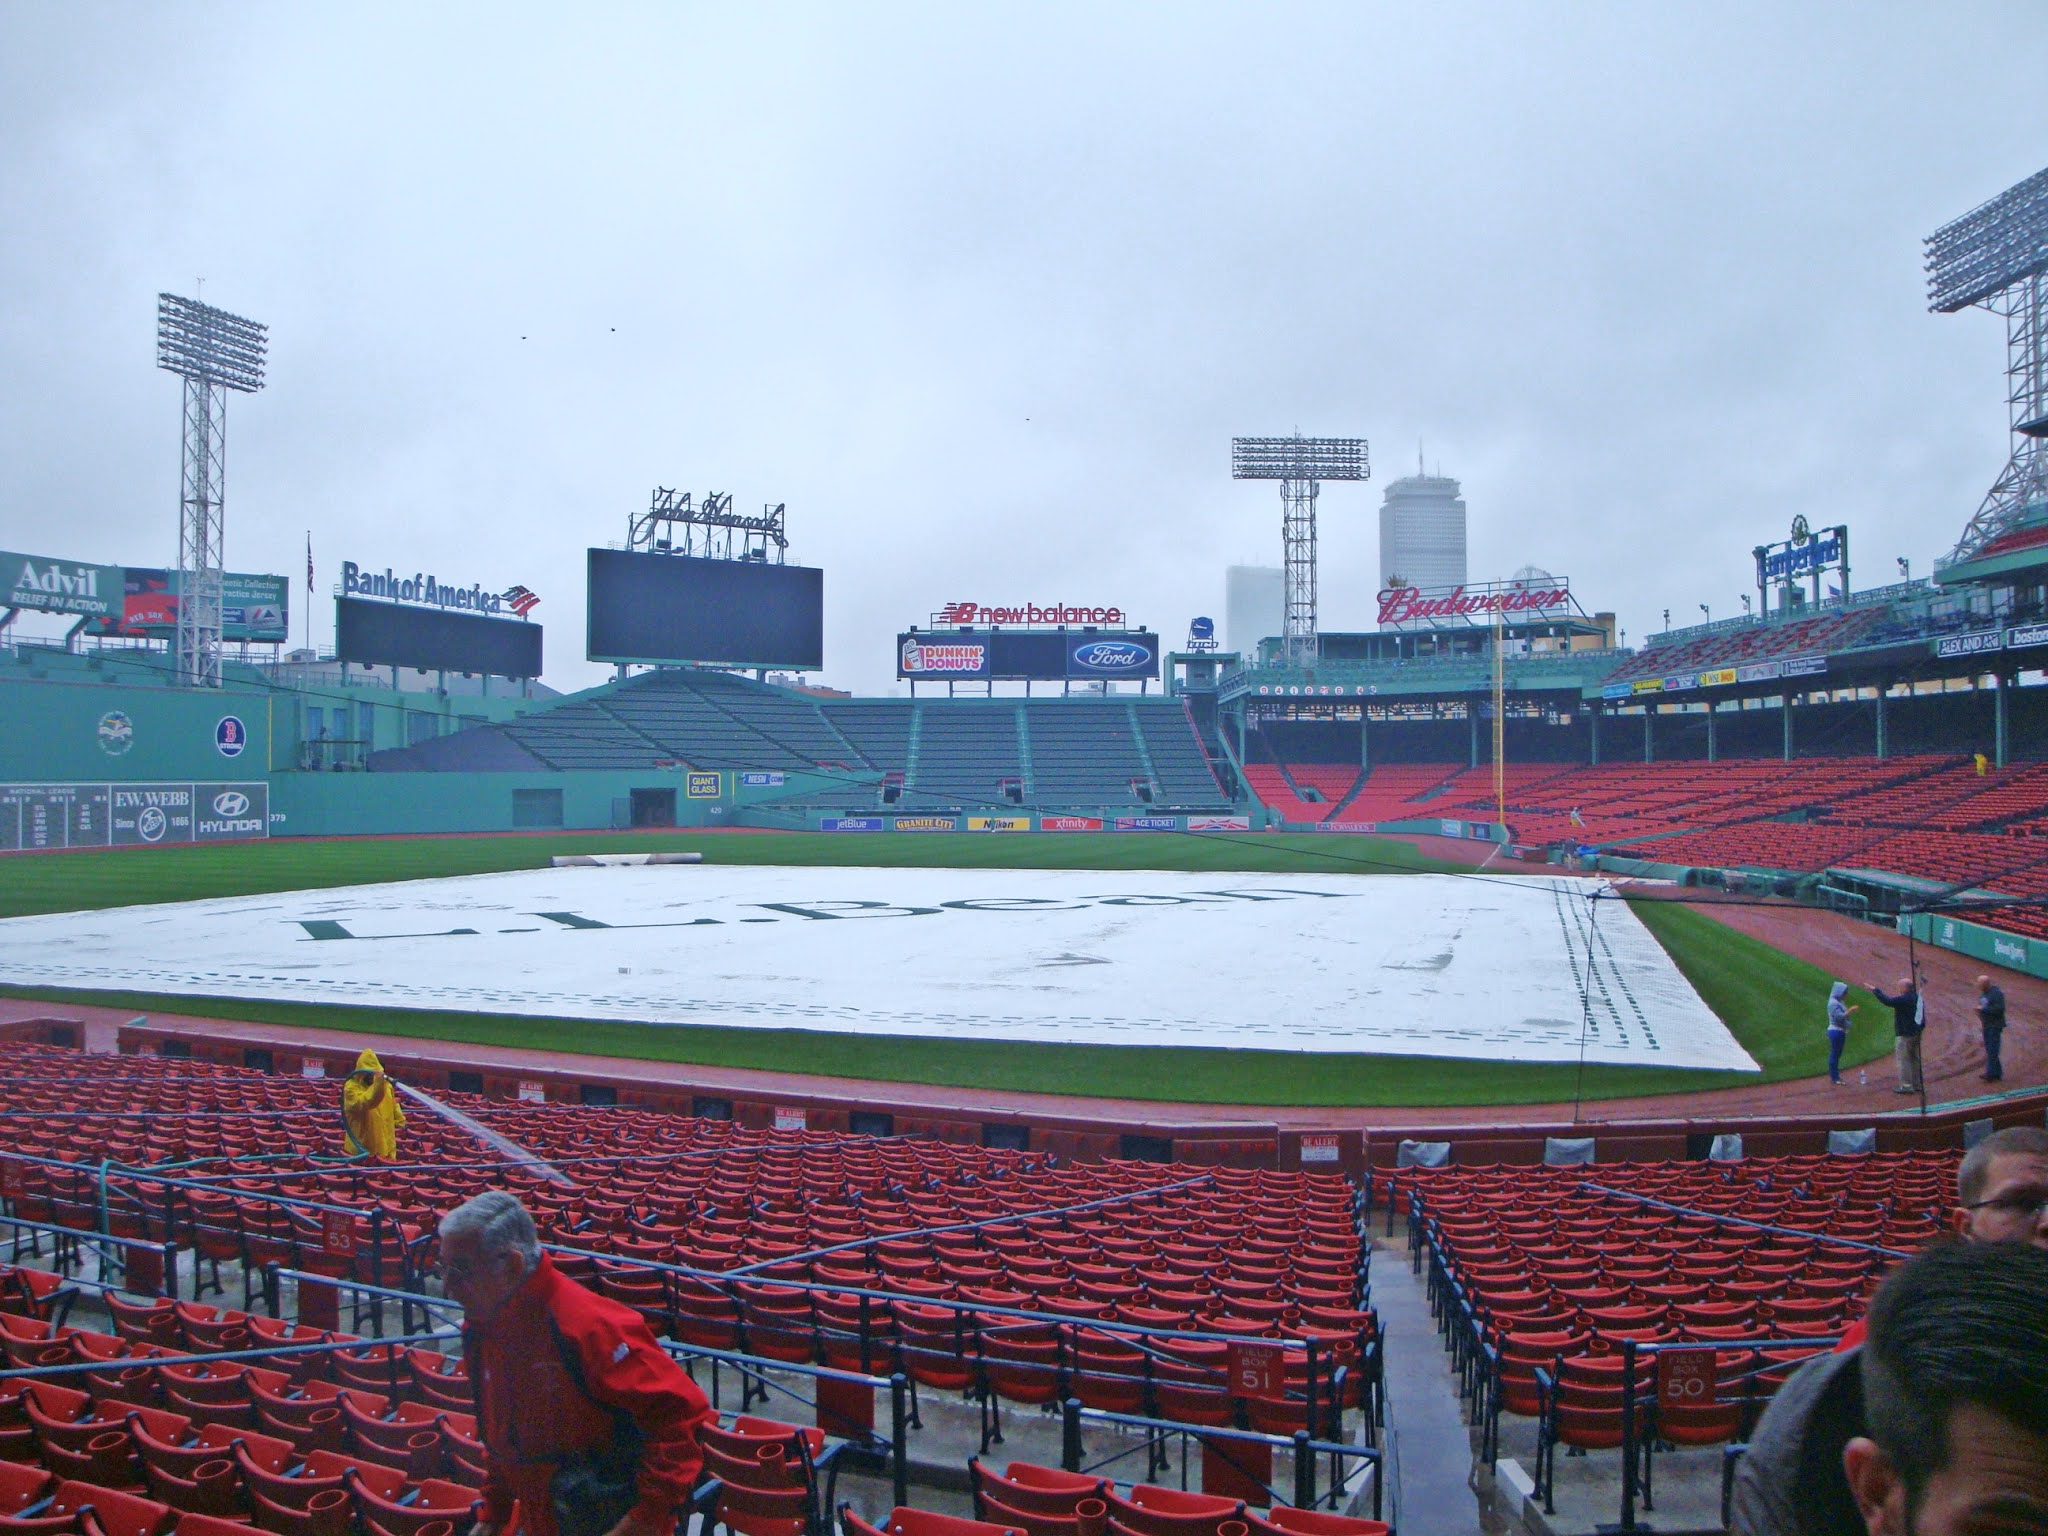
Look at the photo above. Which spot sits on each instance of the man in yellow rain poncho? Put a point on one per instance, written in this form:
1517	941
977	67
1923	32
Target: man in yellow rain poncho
370	1106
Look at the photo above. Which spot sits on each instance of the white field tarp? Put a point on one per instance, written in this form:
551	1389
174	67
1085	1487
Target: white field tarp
1496	968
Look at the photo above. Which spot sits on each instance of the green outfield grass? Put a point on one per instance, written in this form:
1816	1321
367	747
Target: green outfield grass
1771	1002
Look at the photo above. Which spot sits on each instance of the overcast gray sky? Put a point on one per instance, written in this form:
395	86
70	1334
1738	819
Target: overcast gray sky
983	292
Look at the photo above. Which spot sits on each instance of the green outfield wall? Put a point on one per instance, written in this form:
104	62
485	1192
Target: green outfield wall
2014	951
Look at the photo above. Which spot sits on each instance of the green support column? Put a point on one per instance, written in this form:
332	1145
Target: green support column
1883	746
1788	724
1472	719
2000	716
1598	711
1649	714
1364	743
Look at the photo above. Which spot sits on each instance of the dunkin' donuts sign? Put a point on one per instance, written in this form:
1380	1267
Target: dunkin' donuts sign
944	658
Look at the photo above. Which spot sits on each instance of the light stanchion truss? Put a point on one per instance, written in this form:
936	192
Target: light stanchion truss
1995	257
213	352
1300	464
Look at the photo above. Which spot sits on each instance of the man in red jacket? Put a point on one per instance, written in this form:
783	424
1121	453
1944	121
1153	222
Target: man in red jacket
566	1381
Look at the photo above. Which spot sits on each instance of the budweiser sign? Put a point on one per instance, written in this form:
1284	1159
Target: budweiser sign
1408	605
1030	613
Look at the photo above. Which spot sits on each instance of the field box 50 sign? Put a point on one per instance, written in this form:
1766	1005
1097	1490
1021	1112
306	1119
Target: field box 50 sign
1686	1378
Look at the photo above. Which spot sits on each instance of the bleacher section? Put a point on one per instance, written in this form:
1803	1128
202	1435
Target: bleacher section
1180	768
1081	758
1741	645
951	754
965	754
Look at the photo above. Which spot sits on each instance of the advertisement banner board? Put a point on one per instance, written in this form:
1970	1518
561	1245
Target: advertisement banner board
1973	644
1070	823
702	785
850	824
1219	823
999	823
44	584
1118	656
1147	824
253	608
927	823
37	816
1036	655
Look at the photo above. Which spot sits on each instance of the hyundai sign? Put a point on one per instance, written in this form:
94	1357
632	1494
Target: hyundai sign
1036	655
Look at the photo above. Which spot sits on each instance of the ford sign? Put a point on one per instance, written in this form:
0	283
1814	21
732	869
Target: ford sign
1111	656
230	803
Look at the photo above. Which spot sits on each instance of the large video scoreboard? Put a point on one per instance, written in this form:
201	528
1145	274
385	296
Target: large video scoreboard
440	640
685	608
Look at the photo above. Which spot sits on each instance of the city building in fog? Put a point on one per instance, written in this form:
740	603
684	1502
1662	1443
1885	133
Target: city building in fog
1422	533
1254	606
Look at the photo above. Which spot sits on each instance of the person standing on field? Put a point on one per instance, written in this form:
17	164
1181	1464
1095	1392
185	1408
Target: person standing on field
1839	1009
1909	1021
1991	1015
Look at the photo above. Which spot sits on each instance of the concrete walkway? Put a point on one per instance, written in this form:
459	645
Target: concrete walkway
1425	1429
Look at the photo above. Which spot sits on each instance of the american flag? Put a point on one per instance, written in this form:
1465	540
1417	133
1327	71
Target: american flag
521	600
309	562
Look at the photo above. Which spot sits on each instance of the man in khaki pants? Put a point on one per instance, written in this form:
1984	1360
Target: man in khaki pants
1909	1020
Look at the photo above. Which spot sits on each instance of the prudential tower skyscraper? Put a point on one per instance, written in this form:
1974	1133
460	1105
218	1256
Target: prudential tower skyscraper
1422	532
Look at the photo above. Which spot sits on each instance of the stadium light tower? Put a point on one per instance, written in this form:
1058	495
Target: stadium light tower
213	352
1300	464
1996	257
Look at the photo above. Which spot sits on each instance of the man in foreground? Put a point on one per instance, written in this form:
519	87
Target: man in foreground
1792	1481
588	1424
1955	1393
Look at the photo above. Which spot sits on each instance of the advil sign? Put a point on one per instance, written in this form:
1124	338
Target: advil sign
59	586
